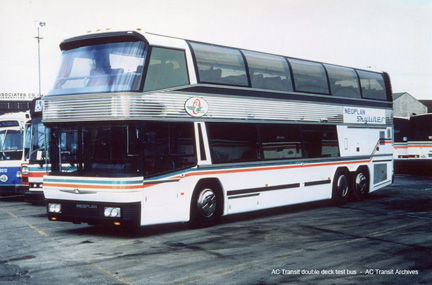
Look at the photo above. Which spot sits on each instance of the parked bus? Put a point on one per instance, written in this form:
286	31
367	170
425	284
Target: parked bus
147	129
37	167
24	165
13	151
413	144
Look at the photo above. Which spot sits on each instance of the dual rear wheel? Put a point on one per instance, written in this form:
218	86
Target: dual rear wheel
346	186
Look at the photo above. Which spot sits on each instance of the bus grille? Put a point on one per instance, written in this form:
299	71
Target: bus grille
96	210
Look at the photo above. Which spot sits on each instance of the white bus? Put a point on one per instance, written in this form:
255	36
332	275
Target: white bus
413	144
147	129
13	151
36	167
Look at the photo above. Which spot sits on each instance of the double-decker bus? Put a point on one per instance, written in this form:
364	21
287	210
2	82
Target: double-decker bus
413	144
13	151
147	129
36	167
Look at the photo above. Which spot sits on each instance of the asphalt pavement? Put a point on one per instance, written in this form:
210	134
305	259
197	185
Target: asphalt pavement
385	239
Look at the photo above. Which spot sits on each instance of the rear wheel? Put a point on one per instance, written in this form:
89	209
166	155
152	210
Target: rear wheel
360	184
206	206
341	187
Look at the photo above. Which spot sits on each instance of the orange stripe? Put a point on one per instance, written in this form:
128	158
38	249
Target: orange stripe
92	186
269	168
37	174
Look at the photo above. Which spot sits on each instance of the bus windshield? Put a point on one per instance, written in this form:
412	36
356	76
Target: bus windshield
141	149
11	144
108	67
37	148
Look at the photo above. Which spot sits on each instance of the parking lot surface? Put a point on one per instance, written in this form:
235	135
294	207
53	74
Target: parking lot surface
385	239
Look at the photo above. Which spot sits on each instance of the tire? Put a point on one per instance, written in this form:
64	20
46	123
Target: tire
361	184
341	190
206	205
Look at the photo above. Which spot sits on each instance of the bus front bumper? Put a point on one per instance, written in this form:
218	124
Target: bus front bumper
34	196
13	189
94	213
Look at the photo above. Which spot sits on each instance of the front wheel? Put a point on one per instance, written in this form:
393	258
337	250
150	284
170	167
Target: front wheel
206	206
341	187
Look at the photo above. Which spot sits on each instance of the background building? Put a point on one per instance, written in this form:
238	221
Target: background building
15	102
405	105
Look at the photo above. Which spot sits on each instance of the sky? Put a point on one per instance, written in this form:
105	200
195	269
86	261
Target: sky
394	36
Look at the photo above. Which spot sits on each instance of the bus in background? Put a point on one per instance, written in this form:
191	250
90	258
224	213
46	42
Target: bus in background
24	165
147	129
413	144
37	167
13	151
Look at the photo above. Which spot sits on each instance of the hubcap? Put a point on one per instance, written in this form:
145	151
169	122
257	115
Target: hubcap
342	185
361	183
206	202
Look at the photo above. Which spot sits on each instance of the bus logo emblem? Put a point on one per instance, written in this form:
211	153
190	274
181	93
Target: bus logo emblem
196	107
4	178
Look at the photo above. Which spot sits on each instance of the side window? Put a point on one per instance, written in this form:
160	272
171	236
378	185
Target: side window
280	141
343	81
167	146
219	65
382	137
233	142
319	141
63	150
309	76
167	68
372	85
268	71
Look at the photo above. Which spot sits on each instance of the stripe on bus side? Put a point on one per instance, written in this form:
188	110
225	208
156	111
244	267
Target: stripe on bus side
319	182
233	194
262	189
93	184
217	170
88	186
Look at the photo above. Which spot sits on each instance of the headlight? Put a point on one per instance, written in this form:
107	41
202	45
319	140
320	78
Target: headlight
54	208
112	212
4	178
18	175
25	170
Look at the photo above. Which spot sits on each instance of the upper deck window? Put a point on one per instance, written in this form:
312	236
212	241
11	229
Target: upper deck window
372	85
108	67
219	65
268	71
309	76
343	81
167	68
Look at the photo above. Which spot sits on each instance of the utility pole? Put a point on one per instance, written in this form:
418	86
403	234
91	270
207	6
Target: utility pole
39	25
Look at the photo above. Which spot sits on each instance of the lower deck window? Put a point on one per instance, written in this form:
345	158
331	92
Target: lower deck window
253	142
233	142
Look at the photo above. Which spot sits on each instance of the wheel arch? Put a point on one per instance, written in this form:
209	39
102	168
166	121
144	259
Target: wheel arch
365	168
206	181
